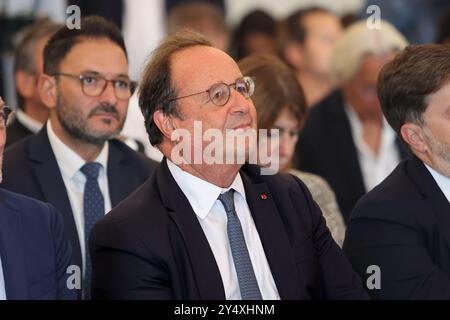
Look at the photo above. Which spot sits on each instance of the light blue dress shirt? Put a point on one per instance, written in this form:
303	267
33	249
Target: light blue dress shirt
2	283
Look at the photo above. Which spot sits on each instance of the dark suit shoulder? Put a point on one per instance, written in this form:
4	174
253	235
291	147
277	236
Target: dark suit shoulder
132	157
18	149
394	199
137	223
327	107
33	211
286	188
16	132
321	120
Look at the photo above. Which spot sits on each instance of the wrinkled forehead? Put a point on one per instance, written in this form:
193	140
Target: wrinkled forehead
199	67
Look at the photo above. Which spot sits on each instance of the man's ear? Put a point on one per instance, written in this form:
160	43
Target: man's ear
47	90
164	123
413	135
293	54
25	83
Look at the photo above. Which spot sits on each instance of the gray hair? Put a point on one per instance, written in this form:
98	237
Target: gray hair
356	42
24	57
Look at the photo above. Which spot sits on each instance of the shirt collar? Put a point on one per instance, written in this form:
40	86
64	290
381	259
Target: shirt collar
201	194
68	160
442	181
387	133
27	121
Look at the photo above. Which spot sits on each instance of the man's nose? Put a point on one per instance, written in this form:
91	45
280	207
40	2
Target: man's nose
239	104
109	95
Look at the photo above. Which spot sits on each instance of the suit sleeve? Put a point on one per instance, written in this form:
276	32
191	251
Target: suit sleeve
407	271
122	267
63	256
340	281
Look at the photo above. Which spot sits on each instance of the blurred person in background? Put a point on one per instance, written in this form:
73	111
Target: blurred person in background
346	139
31	112
309	36
202	17
280	104
257	33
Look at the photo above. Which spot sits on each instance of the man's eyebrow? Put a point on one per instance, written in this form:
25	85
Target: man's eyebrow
96	73
122	75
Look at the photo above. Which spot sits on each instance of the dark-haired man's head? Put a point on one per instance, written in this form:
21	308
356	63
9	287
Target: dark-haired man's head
256	34
28	66
86	85
202	17
310	35
414	91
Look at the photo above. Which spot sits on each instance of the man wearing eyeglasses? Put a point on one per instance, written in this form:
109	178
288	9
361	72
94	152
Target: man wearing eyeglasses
34	255
75	163
212	230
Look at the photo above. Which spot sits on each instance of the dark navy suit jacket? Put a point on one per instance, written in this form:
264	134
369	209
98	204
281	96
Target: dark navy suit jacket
403	227
326	148
152	246
30	168
34	252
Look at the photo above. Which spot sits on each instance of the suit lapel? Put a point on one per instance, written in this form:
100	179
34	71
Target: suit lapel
119	186
52	186
273	237
12	255
203	263
432	194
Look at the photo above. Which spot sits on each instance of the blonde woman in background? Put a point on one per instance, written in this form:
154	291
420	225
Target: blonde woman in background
280	104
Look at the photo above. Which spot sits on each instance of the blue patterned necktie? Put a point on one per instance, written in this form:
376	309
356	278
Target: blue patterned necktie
94	209
244	269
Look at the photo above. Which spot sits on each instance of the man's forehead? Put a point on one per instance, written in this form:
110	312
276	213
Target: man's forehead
203	63
100	55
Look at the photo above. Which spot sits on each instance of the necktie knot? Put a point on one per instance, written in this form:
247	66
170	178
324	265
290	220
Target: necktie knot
227	200
91	170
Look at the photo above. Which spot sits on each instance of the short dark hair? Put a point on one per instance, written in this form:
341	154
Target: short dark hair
294	27
257	21
195	15
405	83
64	39
156	87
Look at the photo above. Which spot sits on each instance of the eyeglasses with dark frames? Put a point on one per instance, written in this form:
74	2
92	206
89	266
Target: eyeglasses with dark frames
93	85
219	93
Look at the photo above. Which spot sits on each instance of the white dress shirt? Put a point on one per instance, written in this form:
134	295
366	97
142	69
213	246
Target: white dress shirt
70	164
211	214
442	181
374	167
2	282
27	121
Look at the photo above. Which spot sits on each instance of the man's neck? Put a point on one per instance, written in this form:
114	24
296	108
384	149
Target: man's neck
219	175
315	87
437	164
37	113
88	151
